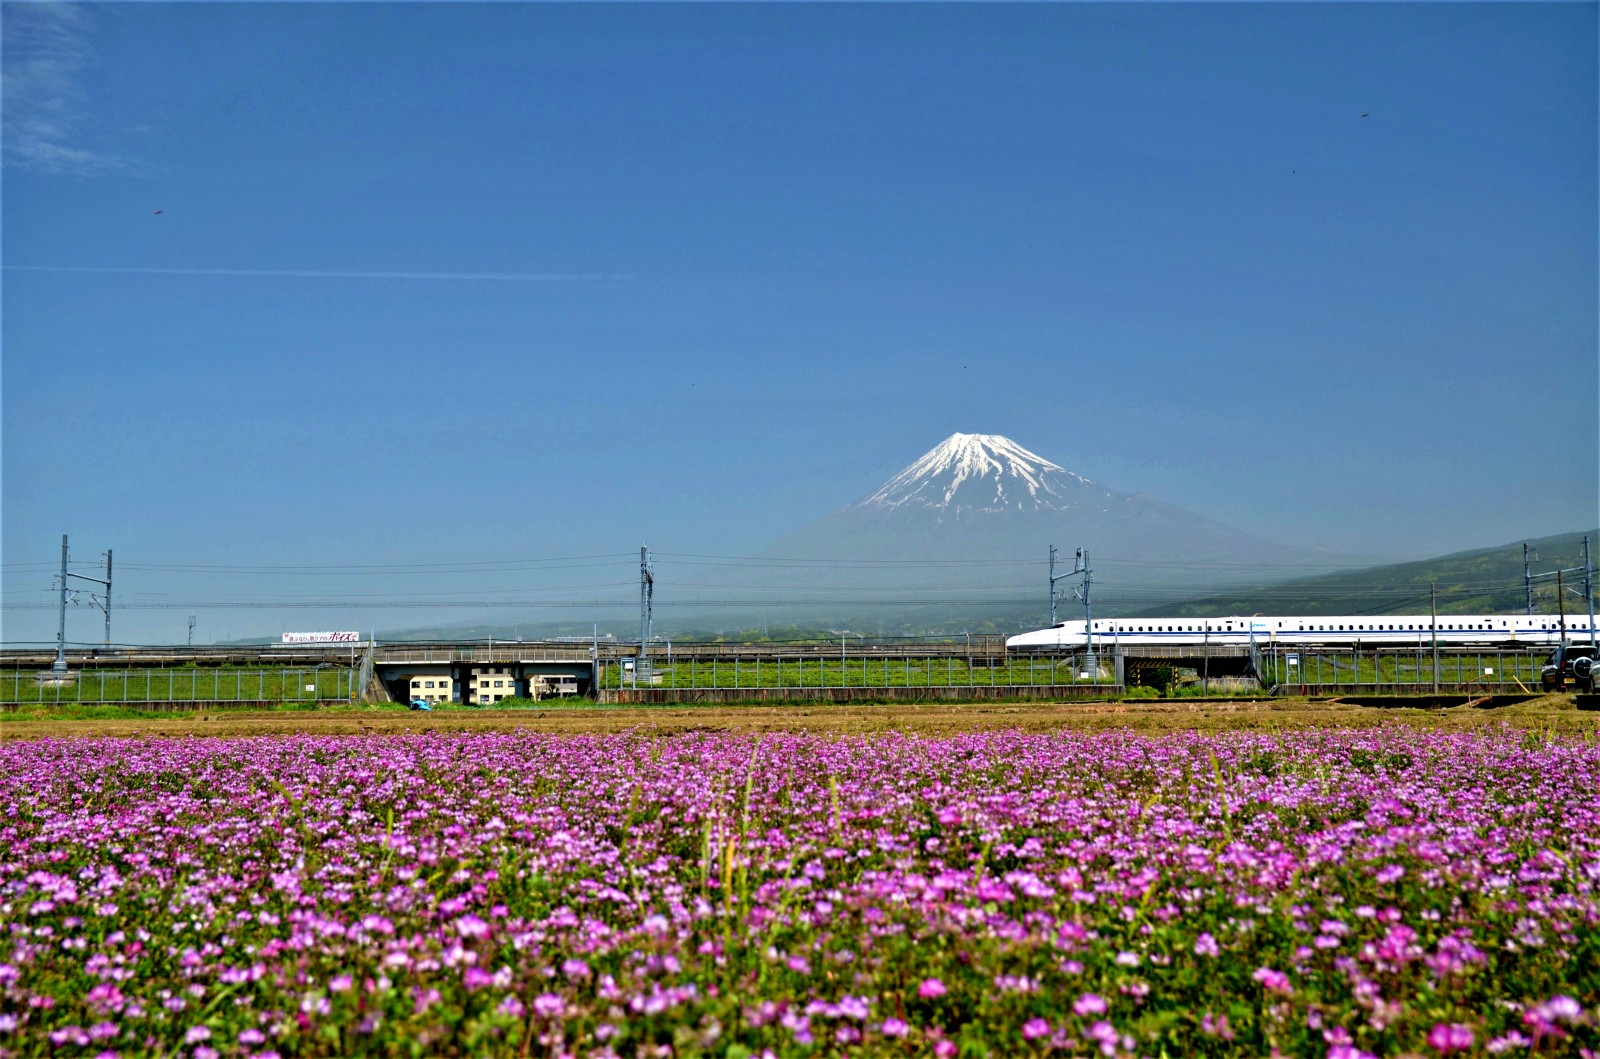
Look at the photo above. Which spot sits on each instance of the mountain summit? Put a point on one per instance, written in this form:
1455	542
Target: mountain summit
967	473
978	511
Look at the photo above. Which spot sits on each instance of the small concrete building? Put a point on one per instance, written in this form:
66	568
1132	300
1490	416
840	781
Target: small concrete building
433	688
491	684
553	685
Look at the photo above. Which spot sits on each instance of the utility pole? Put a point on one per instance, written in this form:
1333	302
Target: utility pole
108	597
1527	575
191	630
647	589
58	669
1588	586
1433	623
1052	586
1081	566
1561	605
103	603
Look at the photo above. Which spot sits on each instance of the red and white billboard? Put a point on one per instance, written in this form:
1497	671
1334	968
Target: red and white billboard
322	637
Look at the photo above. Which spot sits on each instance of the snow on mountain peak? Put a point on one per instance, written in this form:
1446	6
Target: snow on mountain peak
985	472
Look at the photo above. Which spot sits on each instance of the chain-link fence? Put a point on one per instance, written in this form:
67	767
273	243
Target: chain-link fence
855	670
1401	671
313	684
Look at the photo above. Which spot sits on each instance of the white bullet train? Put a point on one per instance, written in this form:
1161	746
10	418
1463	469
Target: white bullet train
1398	630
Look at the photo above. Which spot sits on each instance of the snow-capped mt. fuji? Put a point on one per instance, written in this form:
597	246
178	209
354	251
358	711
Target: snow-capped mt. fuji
982	472
978	499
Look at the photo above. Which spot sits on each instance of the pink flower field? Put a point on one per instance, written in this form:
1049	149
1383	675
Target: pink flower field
1315	893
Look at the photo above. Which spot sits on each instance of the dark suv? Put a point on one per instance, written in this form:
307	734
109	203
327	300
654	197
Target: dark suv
1571	661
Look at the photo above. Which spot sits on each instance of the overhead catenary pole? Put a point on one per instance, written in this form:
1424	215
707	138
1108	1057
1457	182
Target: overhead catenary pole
108	597
1527	577
647	583
1081	566
1433	623
1561	605
60	666
103	602
1052	586
1588	586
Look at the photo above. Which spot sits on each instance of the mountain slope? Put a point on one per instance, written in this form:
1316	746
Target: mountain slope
962	534
978	496
1479	581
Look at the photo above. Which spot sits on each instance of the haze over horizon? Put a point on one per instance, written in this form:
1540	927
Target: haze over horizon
450	303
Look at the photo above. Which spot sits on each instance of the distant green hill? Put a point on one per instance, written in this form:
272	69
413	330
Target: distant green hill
1484	581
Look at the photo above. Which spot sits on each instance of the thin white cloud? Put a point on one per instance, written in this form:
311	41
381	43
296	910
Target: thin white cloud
300	273
46	50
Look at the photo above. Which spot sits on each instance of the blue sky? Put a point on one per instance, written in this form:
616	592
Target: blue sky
467	284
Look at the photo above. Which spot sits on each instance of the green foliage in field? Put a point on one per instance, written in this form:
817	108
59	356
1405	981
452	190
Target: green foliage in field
1482	581
848	672
180	684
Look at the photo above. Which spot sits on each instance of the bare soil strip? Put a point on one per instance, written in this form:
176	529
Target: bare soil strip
1555	713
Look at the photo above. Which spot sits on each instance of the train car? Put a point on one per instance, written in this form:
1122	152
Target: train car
1365	630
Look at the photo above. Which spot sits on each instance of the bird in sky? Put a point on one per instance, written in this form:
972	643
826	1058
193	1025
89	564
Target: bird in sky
158	211
1366	114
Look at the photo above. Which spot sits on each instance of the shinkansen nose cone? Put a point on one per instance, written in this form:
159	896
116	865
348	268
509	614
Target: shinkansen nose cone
1063	634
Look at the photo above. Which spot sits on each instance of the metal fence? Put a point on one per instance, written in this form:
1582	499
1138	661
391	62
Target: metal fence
1497	669
510	651
862	669
312	684
1385	670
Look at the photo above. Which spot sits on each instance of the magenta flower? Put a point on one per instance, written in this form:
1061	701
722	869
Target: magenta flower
638	878
1271	980
1089	1004
470	926
1450	1037
1559	1009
